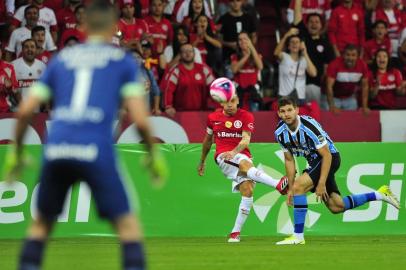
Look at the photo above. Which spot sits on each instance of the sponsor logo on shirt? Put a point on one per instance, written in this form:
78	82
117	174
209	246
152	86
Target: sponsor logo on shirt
237	124
355	17
224	134
251	125
228	124
198	76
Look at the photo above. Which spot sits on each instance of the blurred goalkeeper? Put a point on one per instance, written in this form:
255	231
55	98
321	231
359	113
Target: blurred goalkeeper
87	83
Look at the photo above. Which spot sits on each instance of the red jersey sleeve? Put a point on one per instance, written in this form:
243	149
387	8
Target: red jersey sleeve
248	122
365	70
209	128
332	69
168	86
332	27
398	77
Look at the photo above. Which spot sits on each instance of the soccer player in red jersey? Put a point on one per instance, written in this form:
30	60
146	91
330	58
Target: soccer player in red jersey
231	129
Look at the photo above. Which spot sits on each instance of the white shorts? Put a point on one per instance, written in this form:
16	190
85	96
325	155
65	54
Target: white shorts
230	169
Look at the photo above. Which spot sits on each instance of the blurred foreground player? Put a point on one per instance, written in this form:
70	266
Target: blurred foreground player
303	136
231	129
87	83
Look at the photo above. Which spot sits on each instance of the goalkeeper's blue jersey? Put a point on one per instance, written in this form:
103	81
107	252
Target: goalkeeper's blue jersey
87	84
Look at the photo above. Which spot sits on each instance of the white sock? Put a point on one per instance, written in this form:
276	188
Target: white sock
261	177
299	236
378	196
243	212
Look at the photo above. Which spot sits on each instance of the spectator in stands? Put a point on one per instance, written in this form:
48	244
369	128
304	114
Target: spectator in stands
160	28
154	65
132	29
47	18
28	69
31	15
293	66
7	8
246	66
380	41
231	24
185	86
346	26
321	7
182	7
345	75
385	82
172	51
79	30
38	35
318	47
205	39
66	17
394	19
400	62
150	83
8	84
196	8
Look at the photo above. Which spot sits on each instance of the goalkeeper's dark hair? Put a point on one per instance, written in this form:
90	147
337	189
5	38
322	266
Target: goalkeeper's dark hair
100	15
287	100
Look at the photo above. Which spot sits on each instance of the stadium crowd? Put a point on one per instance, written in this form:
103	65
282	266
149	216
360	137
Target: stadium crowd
334	54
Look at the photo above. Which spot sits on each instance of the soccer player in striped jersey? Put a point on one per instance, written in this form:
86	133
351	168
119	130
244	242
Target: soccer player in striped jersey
88	84
302	136
231	129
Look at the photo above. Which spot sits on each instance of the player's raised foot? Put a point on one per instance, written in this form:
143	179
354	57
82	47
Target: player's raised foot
388	196
282	186
291	240
234	237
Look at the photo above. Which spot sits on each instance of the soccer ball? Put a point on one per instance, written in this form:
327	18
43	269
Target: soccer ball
222	90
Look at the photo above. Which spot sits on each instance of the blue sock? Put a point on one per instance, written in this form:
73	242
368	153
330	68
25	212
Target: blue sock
133	256
299	212
355	200
31	255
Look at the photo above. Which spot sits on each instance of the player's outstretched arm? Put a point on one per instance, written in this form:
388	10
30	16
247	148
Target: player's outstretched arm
155	162
206	145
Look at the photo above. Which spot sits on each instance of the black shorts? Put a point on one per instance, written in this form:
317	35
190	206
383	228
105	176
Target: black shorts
315	169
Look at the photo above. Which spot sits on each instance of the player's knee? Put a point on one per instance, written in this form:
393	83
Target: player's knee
247	189
298	188
244	166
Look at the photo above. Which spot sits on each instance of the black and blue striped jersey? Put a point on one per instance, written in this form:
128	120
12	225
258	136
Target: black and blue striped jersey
308	137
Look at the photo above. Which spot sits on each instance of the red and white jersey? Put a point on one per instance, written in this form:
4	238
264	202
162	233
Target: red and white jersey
387	84
161	31
347	80
144	8
23	33
372	46
44	57
200	45
27	74
47	18
6	72
227	130
346	26
395	20
66	19
187	90
321	7
248	74
134	30
6	6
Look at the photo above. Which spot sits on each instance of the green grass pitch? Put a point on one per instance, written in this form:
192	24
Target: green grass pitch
253	253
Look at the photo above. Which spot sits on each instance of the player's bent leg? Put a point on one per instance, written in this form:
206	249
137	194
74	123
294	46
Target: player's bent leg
335	203
33	247
246	168
301	186
130	235
246	189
